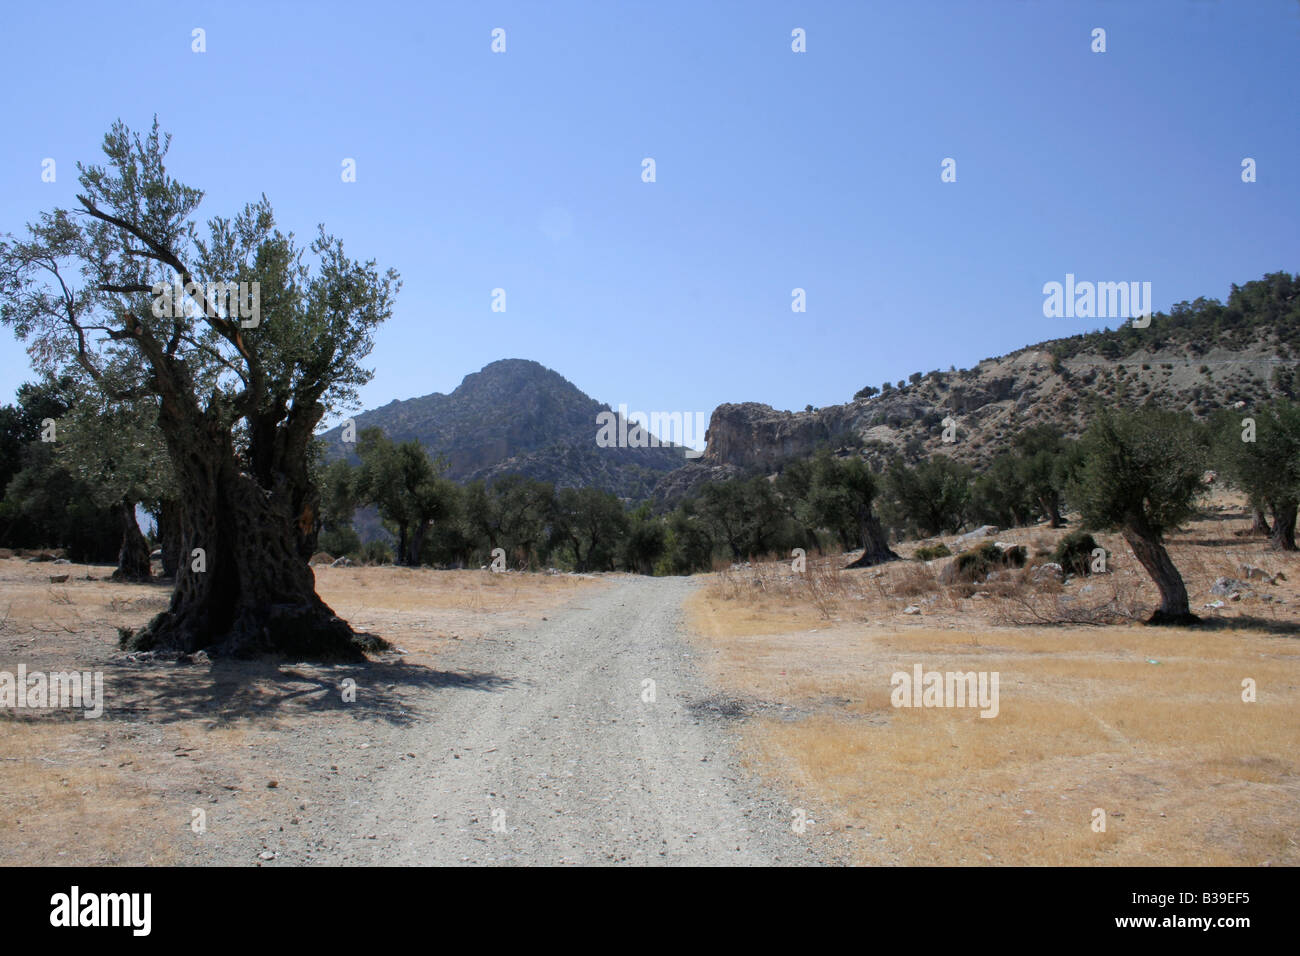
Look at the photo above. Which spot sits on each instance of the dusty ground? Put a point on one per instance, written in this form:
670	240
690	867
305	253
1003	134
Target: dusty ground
1146	724
508	727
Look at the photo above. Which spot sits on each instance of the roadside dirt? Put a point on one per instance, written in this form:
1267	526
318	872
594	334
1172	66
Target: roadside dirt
515	726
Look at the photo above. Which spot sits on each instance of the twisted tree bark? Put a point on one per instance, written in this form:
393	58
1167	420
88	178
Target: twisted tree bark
1284	516
875	543
1151	553
247	529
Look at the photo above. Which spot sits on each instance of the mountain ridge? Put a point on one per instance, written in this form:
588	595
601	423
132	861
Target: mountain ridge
516	416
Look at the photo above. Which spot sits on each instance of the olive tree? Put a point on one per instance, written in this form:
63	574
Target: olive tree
1140	472
129	289
118	451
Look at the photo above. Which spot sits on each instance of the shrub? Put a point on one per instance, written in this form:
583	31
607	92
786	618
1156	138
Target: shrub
339	541
866	392
1074	552
374	552
975	565
930	552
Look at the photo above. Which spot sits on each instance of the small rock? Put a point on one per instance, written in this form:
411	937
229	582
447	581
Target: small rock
1253	573
58	578
1051	569
266	855
984	531
1226	586
912	609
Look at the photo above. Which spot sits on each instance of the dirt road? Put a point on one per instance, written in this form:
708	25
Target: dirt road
548	745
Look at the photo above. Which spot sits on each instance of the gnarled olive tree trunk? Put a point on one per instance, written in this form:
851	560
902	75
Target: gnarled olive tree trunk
247	528
1051	505
1283	535
1150	552
875	543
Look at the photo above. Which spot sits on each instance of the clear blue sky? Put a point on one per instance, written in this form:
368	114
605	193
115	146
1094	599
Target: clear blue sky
775	170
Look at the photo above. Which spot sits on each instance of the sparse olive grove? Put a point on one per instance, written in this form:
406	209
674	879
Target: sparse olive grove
178	405
1139	472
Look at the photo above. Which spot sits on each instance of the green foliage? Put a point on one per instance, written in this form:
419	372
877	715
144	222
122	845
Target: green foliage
1267	307
1000	496
1267	468
590	525
521	508
43	503
646	542
975	564
1140	470
1074	552
1043	466
839	497
931	498
688	547
931	552
375	552
404	485
20	425
339	541
449	544
748	517
116	448
337	482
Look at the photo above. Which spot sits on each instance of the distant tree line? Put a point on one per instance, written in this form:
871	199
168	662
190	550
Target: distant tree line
76	467
1139	472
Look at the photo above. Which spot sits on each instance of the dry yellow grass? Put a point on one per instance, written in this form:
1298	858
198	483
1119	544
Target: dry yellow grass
1147	724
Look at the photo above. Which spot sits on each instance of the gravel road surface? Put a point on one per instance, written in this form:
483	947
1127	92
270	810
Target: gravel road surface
553	749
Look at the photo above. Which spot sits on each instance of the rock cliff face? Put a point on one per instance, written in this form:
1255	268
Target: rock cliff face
974	414
754	436
516	416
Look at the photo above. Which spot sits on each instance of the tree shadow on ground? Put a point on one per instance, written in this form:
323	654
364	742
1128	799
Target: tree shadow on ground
226	690
1250	623
1221	542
